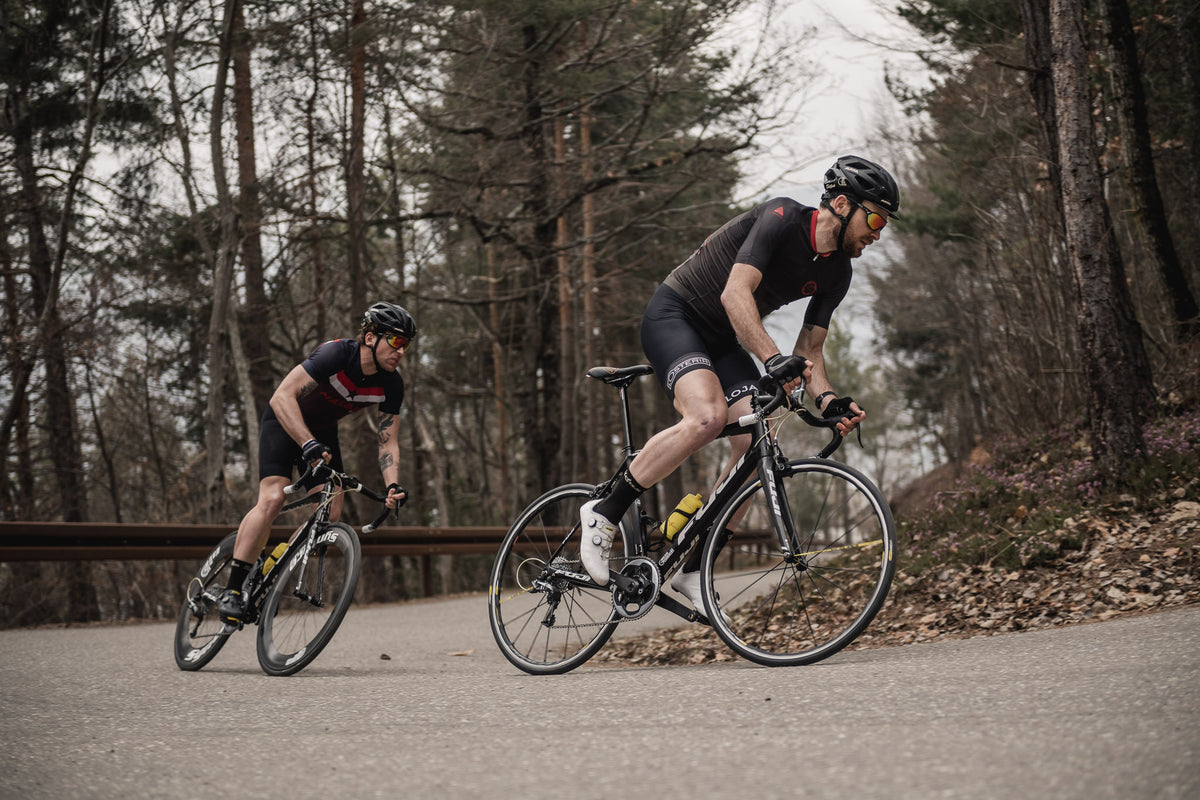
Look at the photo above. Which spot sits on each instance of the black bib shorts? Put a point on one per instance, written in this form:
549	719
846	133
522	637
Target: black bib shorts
278	454
676	342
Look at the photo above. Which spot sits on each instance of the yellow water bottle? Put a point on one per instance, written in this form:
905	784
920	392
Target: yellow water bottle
687	507
276	554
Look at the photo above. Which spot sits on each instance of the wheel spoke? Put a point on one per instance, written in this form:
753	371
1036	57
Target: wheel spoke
199	635
308	601
543	621
801	609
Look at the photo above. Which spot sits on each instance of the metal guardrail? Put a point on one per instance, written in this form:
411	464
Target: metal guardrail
101	541
115	541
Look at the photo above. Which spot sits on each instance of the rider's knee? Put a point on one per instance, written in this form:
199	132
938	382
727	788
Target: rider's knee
270	499
706	422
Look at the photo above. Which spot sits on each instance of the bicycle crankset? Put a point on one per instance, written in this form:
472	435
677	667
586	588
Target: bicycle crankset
635	602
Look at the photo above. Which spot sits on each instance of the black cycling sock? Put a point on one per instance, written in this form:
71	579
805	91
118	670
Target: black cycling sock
238	570
625	491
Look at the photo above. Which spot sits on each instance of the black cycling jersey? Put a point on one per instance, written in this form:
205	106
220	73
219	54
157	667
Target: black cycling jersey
777	238
686	327
342	388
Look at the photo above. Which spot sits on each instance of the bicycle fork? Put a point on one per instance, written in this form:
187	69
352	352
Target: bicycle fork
318	601
769	474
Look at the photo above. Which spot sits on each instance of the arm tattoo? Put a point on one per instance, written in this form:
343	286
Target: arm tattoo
385	422
308	388
386	461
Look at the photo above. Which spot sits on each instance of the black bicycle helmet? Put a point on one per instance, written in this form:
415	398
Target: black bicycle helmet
861	179
384	318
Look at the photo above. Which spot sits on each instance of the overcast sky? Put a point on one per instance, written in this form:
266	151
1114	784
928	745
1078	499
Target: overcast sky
845	105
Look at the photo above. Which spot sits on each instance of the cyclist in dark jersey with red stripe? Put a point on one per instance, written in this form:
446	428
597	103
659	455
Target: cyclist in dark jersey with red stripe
705	320
300	426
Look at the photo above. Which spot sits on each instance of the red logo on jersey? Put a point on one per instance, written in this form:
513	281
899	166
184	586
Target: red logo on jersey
778	212
809	289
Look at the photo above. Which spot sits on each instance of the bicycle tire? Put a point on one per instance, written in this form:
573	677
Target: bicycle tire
199	634
309	599
785	613
549	632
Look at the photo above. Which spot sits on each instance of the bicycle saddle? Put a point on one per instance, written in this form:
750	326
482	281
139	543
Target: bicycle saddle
619	376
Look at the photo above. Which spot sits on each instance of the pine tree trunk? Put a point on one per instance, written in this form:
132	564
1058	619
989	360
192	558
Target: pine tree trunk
1129	100
355	181
592	444
1187	40
253	319
221	287
365	439
317	253
1118	374
543	430
569	446
16	502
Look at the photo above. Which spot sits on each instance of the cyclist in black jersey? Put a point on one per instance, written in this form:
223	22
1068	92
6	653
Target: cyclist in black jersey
705	320
300	427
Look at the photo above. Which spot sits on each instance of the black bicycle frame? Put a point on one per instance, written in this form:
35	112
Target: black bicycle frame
760	458
261	584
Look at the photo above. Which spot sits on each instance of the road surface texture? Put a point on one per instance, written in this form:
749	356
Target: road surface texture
414	700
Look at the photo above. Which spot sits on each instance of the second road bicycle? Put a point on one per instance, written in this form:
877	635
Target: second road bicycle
297	594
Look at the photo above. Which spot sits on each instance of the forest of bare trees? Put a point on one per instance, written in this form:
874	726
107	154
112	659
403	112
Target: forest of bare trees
1049	273
192	196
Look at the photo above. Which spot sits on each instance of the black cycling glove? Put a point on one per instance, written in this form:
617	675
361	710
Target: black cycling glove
399	490
312	450
785	368
838	407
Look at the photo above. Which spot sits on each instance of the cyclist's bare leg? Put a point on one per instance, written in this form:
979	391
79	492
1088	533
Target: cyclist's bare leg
700	401
738	444
255	527
738	447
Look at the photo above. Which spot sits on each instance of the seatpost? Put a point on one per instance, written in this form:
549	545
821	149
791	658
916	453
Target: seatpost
626	423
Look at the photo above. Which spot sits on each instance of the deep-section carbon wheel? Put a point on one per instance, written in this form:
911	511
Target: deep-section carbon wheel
198	633
805	607
546	614
308	599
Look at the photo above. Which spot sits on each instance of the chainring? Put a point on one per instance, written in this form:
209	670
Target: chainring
631	606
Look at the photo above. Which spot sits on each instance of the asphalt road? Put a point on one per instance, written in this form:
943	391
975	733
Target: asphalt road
414	700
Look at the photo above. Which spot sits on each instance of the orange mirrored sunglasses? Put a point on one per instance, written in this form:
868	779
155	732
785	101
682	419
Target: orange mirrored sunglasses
875	221
396	341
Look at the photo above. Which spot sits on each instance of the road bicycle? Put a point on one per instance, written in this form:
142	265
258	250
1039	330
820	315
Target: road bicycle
297	594
796	555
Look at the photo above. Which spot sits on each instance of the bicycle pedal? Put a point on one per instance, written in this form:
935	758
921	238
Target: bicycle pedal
230	628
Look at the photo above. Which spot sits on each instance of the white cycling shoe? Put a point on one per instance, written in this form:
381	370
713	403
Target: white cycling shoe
596	540
688	585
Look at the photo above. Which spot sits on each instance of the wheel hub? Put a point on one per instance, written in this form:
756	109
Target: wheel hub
798	561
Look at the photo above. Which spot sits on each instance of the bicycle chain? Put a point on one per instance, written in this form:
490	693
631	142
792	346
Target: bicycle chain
559	562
